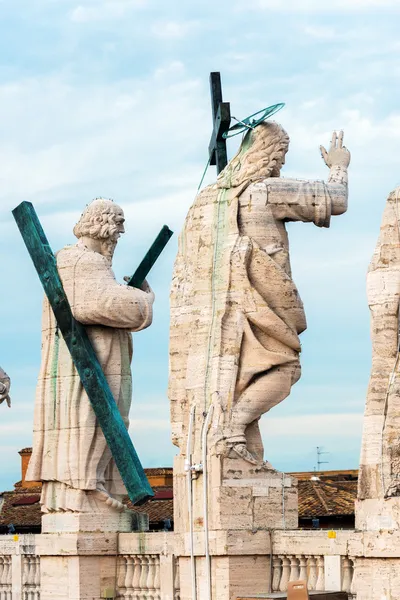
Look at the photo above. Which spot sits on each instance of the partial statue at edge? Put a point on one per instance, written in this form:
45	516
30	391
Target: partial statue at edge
70	454
236	314
4	387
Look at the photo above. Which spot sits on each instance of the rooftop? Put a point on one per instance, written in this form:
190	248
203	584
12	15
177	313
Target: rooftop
330	494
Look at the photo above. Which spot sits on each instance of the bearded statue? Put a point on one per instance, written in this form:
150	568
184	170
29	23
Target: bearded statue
236	314
70	454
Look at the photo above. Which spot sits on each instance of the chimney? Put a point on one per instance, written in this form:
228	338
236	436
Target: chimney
25	455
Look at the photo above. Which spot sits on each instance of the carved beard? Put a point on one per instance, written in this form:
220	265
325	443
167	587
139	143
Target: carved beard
108	246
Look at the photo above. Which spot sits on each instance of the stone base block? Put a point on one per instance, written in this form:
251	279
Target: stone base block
241	496
77	577
378	514
70	522
377	578
231	577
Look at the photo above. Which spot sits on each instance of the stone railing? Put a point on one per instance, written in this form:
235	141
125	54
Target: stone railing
5	578
317	556
310	568
30	577
19	568
147	569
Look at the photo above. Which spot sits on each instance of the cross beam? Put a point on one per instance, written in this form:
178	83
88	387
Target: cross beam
221	121
83	356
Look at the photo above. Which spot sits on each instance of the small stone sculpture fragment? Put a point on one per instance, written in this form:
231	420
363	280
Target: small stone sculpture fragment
4	387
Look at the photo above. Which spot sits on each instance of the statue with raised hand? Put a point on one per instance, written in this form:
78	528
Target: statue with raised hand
236	314
4	387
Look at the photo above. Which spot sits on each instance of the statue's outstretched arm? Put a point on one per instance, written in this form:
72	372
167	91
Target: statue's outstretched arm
4	387
338	160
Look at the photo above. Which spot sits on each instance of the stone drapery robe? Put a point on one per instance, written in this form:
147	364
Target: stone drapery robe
235	311
70	454
380	452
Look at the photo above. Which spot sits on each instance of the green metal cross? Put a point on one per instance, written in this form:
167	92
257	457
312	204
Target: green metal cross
221	121
82	353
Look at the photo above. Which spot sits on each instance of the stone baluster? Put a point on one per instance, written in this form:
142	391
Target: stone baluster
347	574
25	569
303	568
3	579
150	577
122	568
321	574
353	591
276	573
285	578
9	579
177	583
143	578
1	576
294	568
31	571
37	572
137	576
157	591
312	573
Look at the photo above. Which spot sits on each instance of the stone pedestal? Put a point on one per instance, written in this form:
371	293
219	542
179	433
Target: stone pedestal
376	564
78	554
244	503
377	514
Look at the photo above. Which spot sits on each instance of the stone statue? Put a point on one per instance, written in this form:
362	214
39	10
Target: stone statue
236	314
4	387
70	454
380	455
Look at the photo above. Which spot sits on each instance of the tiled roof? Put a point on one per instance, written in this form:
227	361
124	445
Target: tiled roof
21	515
158	471
157	509
319	498
326	498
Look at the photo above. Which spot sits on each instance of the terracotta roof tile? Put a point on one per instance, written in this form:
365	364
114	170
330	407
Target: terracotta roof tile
12	511
326	498
157	509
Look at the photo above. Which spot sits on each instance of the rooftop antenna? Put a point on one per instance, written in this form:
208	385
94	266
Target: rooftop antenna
320	462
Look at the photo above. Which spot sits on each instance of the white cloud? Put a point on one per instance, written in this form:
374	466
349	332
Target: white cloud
174	30
320	425
317	5
320	33
100	10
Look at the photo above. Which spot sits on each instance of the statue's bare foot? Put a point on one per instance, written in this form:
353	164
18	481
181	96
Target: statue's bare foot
241	450
102	494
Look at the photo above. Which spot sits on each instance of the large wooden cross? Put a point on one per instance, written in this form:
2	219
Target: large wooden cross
221	121
81	350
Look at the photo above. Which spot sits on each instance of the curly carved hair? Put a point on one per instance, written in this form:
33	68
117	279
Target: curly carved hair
98	220
257	155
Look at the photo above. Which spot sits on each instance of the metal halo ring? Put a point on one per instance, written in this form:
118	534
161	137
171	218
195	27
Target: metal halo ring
250	122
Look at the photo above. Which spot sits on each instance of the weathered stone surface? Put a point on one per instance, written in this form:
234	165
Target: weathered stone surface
379	480
4	387
236	317
70	453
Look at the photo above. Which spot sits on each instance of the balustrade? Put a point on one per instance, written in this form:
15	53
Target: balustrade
139	577
5	578
31	577
311	568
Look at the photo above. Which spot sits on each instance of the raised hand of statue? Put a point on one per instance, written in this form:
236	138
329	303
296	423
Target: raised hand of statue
338	154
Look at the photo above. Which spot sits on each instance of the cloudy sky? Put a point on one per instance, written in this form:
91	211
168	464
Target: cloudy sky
111	98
